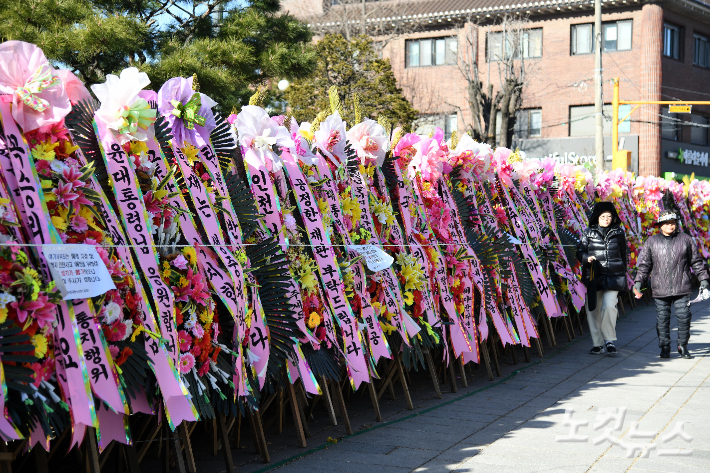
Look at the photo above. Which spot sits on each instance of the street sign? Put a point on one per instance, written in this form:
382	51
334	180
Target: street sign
679	108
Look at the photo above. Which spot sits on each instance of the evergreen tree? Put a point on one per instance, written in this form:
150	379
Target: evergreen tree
229	46
352	66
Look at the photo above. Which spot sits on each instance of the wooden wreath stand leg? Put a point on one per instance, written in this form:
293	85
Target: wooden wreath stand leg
41	461
620	304
224	439
296	411
494	351
567	325
483	348
432	372
92	451
403	379
184	436
329	401
374	399
388	382
258	434
342	411
462	367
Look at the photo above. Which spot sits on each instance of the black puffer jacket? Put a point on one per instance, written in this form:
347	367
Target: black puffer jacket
667	260
610	252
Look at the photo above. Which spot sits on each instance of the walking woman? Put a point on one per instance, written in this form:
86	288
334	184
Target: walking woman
666	258
602	252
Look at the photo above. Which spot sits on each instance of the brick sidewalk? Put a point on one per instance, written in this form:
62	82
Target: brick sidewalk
513	424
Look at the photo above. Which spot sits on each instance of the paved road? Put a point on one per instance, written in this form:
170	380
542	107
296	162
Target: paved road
656	410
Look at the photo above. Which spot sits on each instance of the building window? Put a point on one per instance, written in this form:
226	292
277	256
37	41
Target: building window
582	122
670	126
525	43
699	132
431	52
451	125
528	124
701	51
616	37
582	39
671	41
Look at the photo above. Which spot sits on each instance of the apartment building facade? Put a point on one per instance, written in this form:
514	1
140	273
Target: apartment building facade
660	50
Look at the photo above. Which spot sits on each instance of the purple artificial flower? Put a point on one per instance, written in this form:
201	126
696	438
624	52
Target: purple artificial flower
179	89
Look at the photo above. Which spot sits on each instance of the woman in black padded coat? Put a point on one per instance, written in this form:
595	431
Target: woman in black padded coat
603	250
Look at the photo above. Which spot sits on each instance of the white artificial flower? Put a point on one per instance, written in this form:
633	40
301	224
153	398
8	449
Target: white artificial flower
259	133
58	166
369	140
112	312
331	138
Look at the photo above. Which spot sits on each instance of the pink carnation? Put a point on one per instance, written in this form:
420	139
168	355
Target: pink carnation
187	362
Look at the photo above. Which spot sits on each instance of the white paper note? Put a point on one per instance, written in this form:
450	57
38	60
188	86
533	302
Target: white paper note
374	257
79	269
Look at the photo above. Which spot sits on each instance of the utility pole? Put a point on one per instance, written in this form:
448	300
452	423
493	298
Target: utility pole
598	103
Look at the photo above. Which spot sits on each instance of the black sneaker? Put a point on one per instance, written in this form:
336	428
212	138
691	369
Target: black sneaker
596	351
684	353
665	352
610	348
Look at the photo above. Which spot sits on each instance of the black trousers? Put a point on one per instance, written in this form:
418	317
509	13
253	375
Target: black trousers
663	321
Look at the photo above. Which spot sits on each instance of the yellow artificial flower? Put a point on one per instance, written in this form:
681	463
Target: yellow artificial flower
183	282
352	208
190	153
313	320
190	254
408	298
412	272
3	314
457	283
68	148
323	206
249	316
89	217
377	306
616	191
367	170
166	265
307	135
204	316
166	274
40	344
381	210
387	328
59	223
45	151
138	147
308	281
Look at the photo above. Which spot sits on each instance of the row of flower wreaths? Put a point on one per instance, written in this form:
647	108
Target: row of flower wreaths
241	249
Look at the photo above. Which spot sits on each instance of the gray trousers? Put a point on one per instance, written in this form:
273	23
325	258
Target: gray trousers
663	322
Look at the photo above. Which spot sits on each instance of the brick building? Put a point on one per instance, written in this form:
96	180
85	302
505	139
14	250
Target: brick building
660	50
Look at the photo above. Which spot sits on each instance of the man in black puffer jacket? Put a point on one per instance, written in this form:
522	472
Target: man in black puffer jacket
667	259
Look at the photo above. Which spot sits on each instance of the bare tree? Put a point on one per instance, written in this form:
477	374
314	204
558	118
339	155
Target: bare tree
507	51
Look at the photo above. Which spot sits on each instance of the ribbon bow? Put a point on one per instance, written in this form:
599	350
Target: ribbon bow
37	82
137	115
188	111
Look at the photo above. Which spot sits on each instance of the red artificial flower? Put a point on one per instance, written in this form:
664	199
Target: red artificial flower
125	353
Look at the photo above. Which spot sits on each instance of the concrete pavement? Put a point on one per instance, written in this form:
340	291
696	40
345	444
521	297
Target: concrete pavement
655	411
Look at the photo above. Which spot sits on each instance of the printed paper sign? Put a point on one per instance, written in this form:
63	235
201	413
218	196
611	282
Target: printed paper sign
375	258
80	269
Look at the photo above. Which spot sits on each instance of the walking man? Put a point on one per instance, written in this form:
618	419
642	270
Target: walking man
667	259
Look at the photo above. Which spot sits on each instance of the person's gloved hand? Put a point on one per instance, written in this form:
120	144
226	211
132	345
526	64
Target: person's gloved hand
704	284
637	290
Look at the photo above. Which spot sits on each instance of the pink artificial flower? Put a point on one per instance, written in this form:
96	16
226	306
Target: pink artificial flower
196	351
151	203
232	118
198	331
405	148
81	199
42	310
71	175
79	223
42	371
501	216
184	341
113	349
187	362
199	293
182	294
180	262
53	132
64	193
43	168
